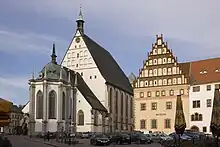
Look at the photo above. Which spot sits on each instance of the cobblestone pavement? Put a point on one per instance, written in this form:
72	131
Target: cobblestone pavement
24	141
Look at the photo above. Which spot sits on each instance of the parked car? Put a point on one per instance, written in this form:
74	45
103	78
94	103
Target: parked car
155	137
100	139
149	137
183	137
85	135
120	138
140	138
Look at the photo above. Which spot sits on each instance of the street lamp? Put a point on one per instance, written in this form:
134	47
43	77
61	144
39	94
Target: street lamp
70	130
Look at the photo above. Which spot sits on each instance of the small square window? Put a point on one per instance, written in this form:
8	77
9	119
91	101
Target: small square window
208	87
149	94
163	93
157	93
141	94
209	102
171	92
154	106
196	89
143	106
168	105
204	129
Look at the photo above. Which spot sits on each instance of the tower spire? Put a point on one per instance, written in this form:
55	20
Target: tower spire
53	56
80	21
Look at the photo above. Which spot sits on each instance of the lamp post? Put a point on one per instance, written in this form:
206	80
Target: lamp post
70	130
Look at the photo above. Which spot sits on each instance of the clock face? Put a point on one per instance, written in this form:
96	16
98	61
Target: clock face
77	40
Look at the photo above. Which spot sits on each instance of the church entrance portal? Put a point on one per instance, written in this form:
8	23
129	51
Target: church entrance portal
195	128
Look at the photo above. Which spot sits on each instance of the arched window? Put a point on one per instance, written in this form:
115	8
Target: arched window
200	117
80	118
196	116
52	105
39	105
192	118
63	106
110	100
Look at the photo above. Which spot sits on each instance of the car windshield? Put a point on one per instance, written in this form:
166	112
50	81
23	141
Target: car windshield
101	136
163	135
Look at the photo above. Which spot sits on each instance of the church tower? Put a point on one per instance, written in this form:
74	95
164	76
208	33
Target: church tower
80	22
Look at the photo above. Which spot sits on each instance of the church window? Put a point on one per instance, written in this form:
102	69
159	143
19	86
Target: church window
155	82
77	65
73	63
155	51
68	55
77	55
141	84
79	46
68	63
63	106
164	81
73	54
169	71
159	41
90	60
81	53
179	81
75	46
85	53
80	118
171	92
174	70
155	61
80	62
146	83
159	61
39	105
169	81
52	105
146	73
160	72
174	80
150	73
160	82
150	62
90	77
159	51
164	71
81	74
95	77
148	94
177	70
151	83
169	60
155	72
164	60
164	50
85	61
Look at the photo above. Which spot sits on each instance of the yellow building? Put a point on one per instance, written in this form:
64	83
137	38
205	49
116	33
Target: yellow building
5	107
159	82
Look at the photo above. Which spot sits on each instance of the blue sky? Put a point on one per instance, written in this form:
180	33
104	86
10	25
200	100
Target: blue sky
125	28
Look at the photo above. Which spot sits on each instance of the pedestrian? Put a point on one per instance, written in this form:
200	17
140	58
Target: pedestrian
48	136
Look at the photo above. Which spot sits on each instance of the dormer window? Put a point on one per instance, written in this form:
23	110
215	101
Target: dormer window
217	70
203	72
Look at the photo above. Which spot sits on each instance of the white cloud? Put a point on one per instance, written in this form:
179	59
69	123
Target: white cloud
194	21
20	42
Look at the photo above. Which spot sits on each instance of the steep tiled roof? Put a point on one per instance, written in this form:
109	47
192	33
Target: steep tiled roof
108	67
205	71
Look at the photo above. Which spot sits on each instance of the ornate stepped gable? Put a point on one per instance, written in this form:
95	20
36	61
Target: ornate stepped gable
161	68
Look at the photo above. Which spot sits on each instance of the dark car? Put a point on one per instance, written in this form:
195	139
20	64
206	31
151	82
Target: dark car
139	138
183	137
100	139
120	138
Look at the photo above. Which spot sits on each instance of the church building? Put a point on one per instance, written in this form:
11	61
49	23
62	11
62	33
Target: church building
88	91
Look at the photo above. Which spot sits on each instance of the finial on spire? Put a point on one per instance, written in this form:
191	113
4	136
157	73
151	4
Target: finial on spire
80	17
53	56
80	21
32	75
